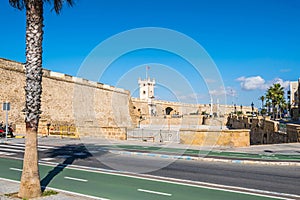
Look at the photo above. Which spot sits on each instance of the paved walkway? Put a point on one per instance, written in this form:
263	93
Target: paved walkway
9	187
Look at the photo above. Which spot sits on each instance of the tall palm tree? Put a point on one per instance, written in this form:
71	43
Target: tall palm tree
275	95
30	186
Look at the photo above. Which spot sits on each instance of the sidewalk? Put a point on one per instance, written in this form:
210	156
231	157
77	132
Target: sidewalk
9	187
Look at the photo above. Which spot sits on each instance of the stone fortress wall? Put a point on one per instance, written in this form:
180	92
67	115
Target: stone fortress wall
96	109
265	131
66	100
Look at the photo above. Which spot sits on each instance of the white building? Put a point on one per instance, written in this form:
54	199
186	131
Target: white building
147	93
293	94
146	88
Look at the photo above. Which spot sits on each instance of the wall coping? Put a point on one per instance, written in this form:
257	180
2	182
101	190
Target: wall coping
19	67
215	130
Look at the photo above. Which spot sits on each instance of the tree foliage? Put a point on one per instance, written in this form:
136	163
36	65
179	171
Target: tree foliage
275	98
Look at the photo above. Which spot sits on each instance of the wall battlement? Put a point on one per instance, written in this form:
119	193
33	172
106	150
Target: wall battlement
19	67
65	100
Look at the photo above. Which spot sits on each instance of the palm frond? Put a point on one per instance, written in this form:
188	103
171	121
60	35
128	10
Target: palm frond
19	4
57	4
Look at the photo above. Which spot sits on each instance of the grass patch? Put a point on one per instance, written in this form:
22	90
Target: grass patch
44	194
49	193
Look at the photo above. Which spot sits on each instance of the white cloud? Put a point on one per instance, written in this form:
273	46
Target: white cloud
218	92
223	91
231	92
285	70
191	97
283	83
251	83
258	83
209	80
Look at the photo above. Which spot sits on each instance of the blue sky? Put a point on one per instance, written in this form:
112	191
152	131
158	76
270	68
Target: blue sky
253	43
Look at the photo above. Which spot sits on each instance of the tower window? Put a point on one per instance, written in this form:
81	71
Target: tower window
144	92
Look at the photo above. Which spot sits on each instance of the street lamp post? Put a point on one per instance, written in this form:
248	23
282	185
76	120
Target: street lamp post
6	107
252	107
234	108
241	109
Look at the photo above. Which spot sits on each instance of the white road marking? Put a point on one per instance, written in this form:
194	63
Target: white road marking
79	154
47	159
76	179
63	156
22	146
46	147
154	192
11	150
10	146
7	154
15	169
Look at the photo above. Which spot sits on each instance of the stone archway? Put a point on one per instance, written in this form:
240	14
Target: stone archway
168	110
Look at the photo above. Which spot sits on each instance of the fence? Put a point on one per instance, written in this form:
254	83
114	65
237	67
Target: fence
153	135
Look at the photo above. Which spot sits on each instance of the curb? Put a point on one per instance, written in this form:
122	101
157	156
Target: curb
19	136
180	157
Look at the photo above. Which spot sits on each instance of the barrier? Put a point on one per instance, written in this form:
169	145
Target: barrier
62	130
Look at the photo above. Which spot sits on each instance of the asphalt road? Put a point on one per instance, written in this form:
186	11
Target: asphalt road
107	185
282	179
279	179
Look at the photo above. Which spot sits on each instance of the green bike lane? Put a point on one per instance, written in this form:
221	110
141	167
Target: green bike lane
202	153
107	185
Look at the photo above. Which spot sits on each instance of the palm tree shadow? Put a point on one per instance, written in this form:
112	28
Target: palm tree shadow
70	153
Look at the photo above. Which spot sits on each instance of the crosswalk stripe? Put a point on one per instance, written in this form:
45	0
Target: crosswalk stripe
22	146
47	159
5	145
11	150
7	154
39	146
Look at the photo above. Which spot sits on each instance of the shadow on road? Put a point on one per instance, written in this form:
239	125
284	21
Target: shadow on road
70	153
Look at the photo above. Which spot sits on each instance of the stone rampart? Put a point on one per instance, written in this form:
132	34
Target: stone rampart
66	100
264	130
228	138
293	131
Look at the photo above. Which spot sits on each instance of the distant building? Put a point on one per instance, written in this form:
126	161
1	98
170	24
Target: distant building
147	93
146	88
293	94
294	98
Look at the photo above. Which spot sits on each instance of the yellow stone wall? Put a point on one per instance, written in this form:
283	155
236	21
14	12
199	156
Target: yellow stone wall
228	138
66	100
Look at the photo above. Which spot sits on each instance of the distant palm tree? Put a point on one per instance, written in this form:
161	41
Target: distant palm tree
30	186
262	98
275	95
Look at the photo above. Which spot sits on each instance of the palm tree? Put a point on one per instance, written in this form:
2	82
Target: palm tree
275	95
262	98
30	186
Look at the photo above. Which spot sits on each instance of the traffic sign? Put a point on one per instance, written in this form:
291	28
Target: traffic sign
6	106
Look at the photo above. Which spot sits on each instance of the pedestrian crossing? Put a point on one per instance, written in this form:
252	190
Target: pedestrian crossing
14	148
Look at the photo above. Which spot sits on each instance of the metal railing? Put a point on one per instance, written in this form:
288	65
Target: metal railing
160	135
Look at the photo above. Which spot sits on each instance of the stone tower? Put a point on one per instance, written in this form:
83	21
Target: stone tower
147	93
146	88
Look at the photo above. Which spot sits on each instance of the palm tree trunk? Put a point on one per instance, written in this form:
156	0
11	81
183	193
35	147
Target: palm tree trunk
30	186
